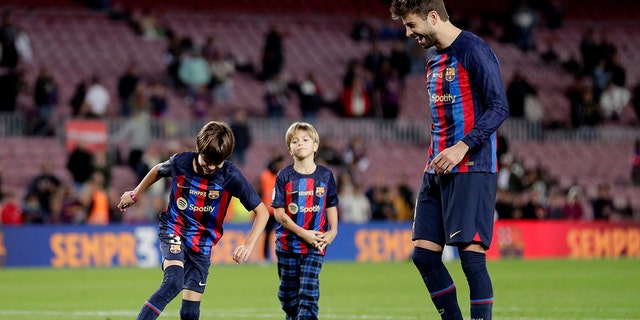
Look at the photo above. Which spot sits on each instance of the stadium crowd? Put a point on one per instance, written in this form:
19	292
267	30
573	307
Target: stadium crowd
202	75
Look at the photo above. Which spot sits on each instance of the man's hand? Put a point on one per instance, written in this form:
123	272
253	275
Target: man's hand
446	160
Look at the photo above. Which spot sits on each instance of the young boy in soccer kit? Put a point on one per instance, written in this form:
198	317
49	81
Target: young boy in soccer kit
203	183
305	201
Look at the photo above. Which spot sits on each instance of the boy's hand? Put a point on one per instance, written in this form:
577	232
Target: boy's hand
312	237
126	200
241	254
328	238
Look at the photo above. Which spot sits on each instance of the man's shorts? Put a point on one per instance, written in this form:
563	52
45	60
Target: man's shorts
456	209
196	265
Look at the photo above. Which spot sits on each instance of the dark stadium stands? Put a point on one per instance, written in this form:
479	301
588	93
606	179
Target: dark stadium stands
77	42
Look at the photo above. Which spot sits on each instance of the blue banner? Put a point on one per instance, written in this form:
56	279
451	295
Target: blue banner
137	245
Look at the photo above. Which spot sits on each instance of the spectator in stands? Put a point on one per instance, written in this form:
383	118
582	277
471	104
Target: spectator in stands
400	59
613	100
77	99
574	206
524	19
97	100
95	199
555	205
589	49
602	204
379	197
635	164
80	164
309	95
67	208
10	210
276	96
32	212
600	77
585	111
194	71
46	99
356	100
223	68
135	136
517	91
44	186
355	158
403	209
148	26
242	134
373	59
272	53
158	100
1	173
176	47
617	70
535	207
361	30
267	183
327	155
354	205
8	34
12	83
127	84
389	89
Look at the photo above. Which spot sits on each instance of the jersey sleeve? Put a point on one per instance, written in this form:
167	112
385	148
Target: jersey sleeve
240	188
278	199
165	169
483	65
332	197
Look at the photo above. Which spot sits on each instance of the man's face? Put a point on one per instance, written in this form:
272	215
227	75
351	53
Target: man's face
421	30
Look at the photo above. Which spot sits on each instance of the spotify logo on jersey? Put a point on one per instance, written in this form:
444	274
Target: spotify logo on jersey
182	203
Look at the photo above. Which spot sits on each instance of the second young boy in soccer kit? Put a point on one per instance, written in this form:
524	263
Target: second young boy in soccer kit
305	200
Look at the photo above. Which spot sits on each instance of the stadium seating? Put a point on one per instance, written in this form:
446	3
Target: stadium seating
77	43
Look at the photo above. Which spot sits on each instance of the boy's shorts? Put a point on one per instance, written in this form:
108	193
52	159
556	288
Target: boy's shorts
196	265
456	209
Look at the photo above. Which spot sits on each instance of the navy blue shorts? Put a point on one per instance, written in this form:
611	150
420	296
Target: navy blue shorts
456	209
196	265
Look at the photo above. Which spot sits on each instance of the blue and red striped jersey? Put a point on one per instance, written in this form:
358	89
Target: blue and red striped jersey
305	198
198	203
467	101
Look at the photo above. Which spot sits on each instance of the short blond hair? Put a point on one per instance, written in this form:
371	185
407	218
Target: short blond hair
301	126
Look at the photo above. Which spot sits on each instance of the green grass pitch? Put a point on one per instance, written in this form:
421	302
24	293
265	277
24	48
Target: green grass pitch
527	290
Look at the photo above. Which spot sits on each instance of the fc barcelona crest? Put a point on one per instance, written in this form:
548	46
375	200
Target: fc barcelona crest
319	192
214	194
450	74
175	248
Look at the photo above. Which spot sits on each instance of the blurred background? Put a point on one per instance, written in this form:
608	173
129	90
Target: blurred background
94	93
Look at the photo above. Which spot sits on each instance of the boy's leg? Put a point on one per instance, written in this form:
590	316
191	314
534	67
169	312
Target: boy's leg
311	264
196	272
288	271
169	289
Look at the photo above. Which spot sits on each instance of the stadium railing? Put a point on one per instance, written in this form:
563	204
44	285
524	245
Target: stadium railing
401	130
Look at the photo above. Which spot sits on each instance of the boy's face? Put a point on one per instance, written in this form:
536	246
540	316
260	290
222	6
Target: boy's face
302	145
207	168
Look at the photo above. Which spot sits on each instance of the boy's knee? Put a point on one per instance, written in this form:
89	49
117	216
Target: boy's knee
190	310
173	280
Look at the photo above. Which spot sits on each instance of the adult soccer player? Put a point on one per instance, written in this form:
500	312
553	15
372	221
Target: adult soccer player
203	183
456	200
